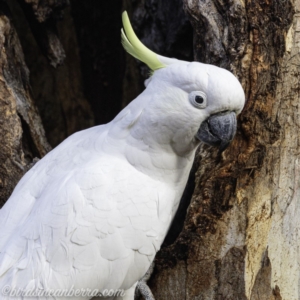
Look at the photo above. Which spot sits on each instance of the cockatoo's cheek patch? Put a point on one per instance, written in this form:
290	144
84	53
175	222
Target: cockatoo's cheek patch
218	130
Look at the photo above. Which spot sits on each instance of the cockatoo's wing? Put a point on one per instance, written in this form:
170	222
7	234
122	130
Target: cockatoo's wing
92	219
29	189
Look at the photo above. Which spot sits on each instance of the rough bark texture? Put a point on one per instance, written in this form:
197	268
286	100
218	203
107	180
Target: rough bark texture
240	235
42	16
239	239
21	132
58	92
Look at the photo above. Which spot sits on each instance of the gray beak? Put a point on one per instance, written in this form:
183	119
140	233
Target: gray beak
218	130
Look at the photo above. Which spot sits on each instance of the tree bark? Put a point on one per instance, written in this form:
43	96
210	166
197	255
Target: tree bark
58	91
240	237
236	233
21	132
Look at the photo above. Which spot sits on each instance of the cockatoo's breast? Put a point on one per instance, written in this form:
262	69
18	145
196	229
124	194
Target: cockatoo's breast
90	208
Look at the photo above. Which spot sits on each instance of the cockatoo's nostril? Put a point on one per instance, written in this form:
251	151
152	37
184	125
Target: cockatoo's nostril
218	130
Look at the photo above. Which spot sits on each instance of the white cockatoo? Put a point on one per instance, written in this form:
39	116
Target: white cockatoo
92	213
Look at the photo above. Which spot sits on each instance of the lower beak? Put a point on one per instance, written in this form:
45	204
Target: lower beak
218	130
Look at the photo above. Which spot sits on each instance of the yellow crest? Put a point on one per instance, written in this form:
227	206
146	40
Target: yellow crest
133	46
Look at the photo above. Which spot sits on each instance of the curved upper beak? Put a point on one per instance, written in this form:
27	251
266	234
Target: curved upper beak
218	130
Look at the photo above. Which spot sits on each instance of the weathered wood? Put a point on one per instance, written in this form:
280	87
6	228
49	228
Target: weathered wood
21	132
42	17
58	93
45	9
241	206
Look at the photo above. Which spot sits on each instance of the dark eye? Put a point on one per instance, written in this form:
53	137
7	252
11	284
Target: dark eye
198	99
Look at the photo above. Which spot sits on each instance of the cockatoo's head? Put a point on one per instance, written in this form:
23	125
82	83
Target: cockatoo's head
189	101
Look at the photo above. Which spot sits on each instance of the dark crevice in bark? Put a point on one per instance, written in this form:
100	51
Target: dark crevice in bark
230	275
43	10
57	92
262	289
29	149
164	28
15	101
16	75
46	34
276	293
102	56
178	222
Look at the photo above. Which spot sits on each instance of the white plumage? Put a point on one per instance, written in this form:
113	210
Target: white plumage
94	211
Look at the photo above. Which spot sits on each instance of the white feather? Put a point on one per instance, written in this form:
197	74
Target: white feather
95	210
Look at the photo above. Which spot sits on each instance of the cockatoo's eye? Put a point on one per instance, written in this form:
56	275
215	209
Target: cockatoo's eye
198	99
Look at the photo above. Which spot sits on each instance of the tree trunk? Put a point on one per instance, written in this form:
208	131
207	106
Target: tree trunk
240	236
236	233
21	132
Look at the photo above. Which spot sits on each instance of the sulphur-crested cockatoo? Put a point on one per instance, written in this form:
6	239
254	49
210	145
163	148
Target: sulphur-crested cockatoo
92	213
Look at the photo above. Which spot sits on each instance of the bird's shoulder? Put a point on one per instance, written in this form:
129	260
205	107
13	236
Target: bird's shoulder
57	165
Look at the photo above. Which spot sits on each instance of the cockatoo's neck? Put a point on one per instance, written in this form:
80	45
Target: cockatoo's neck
160	164
154	120
160	151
